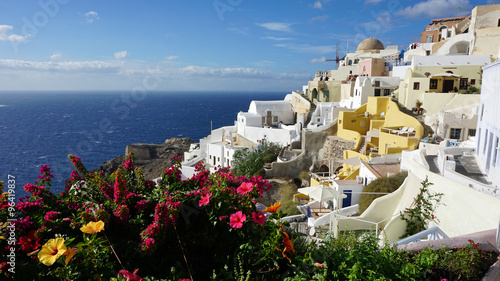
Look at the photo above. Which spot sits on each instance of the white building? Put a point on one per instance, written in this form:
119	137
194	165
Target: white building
365	87
456	120
324	115
488	125
270	120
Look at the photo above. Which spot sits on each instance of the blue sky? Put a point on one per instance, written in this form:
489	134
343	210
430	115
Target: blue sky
250	45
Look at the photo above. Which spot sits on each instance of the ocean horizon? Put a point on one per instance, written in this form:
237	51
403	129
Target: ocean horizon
42	128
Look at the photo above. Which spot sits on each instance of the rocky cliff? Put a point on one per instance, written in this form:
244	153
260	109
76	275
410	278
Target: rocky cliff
151	158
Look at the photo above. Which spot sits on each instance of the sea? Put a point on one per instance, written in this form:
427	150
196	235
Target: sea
42	128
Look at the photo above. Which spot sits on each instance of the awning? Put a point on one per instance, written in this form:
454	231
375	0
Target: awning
353	161
447	75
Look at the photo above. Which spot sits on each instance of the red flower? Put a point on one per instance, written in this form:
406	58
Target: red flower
236	220
258	217
288	244
273	208
205	199
244	188
130	276
30	242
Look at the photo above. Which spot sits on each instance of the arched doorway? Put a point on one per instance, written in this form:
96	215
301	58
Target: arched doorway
314	95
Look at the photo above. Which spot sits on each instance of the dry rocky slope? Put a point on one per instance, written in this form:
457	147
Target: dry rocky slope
153	159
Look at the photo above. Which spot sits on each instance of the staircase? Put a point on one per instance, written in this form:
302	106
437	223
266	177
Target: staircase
362	146
311	111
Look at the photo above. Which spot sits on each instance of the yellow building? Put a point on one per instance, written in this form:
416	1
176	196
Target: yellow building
435	80
378	128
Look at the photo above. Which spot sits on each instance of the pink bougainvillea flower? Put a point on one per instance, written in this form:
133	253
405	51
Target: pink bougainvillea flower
236	220
205	199
258	217
131	276
244	188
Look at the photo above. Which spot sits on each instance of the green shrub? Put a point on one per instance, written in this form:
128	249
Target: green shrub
248	162
288	206
384	184
304	175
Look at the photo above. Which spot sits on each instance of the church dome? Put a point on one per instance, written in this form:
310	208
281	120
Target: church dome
370	45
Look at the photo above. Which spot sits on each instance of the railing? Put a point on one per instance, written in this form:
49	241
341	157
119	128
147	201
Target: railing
373	226
433	233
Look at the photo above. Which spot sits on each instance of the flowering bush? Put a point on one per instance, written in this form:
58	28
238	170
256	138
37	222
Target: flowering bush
421	212
106	227
208	227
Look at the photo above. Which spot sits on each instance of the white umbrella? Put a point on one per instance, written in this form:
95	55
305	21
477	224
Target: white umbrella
321	193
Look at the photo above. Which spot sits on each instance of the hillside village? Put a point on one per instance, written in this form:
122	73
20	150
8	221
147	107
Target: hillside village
430	110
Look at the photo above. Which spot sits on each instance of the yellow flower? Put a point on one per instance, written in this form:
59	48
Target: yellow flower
70	252
51	251
93	227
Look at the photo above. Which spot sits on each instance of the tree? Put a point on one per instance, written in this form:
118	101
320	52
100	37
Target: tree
248	162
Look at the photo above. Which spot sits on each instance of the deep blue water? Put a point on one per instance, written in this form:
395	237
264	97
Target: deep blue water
42	128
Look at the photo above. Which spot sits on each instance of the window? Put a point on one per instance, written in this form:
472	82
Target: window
387	92
356	61
377	83
473	81
433	84
416	86
377	92
275	119
498	23
455	133
471	133
495	152
263	120
463	83
429	38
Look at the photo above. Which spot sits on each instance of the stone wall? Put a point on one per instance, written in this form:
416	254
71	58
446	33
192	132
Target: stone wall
333	150
308	159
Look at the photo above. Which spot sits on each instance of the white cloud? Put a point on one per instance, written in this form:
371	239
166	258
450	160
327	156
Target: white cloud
120	55
243	30
436	8
306	48
318	5
278	38
127	75
318	60
276	26
56	56
319	18
91	16
172	57
65	66
13	37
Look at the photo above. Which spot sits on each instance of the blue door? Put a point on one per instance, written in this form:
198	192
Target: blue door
346	202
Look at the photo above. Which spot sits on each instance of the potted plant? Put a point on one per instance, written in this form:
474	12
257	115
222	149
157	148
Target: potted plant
418	104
